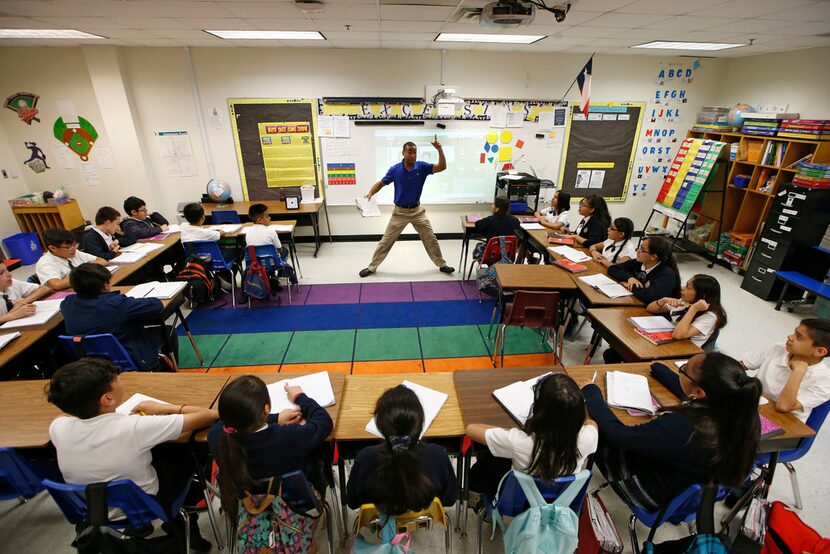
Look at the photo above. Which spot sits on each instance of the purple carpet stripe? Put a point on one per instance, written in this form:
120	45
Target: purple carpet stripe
371	293
437	290
298	297
471	289
348	293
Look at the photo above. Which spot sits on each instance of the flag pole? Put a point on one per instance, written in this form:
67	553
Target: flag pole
577	77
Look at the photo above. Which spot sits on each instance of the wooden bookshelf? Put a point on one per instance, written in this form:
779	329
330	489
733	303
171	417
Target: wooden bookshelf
746	209
38	218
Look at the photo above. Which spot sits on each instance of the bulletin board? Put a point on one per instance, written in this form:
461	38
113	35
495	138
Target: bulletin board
276	146
599	149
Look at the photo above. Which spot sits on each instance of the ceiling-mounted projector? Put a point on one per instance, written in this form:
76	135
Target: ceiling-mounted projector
507	14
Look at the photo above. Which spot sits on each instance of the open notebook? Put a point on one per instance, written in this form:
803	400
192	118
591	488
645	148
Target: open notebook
127	406
570	253
156	289
605	285
431	400
517	398
629	391
44	311
316	386
7	338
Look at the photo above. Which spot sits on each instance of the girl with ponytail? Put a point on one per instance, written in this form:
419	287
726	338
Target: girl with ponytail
652	274
402	473
698	314
712	436
618	247
250	444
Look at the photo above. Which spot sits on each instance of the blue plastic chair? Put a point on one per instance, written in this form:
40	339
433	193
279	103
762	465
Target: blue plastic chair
787	457
33	278
139	507
270	259
219	217
217	261
511	501
17	477
99	346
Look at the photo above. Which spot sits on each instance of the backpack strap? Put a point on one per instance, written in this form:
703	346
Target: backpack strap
265	503
528	484
567	496
505	259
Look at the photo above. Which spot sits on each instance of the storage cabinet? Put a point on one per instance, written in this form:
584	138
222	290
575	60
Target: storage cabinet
38	218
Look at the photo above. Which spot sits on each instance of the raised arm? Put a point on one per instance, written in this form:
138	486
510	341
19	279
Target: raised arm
442	161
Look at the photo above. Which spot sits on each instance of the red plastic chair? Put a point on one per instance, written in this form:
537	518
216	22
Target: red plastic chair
535	310
492	252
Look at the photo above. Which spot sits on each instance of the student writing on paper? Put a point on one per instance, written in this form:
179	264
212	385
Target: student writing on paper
557	216
555	441
402	473
595	221
61	257
712	435
97	309
16	297
100	239
501	223
795	374
698	314
139	223
618	247
95	444
250	444
652	274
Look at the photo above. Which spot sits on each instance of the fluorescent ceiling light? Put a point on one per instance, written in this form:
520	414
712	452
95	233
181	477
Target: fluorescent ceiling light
268	35
45	33
483	37
669	45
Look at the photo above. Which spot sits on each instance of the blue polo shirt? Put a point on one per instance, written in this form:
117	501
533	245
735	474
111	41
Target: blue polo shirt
408	184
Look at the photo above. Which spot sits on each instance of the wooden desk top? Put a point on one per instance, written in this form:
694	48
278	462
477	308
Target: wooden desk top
468	226
361	394
338	383
794	428
25	414
126	270
475	392
595	298
274	207
291	222
193	389
622	334
533	277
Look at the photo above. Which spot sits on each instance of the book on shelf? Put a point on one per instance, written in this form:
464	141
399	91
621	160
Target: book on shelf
805	160
770	116
571	266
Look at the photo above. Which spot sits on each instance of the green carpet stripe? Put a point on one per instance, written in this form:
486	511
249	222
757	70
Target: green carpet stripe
209	346
452	342
321	346
253	349
387	344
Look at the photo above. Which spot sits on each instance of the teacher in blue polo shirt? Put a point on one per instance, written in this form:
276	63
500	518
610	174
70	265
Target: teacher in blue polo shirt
409	177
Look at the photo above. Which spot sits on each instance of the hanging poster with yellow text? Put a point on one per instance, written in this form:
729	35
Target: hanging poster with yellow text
287	153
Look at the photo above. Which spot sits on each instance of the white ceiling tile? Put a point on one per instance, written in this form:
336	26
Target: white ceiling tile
750	8
644	35
711	36
129	34
811	42
405	44
592	32
412	26
411	37
83	23
334	25
154	23
256	10
356	43
217	24
278	25
598	5
416	13
813	28
55	8
748	26
666	7
171	8
689	23
814	12
612	43
345	13
573	18
183	35
627	20
155	42
29	23
351	35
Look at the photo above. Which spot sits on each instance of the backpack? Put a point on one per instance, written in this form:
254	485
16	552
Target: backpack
391	542
486	279
705	543
266	524
200	279
256	283
787	534
544	528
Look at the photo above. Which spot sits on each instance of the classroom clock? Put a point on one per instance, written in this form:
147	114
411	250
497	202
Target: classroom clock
292	202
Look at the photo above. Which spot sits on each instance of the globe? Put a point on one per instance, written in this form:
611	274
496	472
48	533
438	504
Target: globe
218	190
738	113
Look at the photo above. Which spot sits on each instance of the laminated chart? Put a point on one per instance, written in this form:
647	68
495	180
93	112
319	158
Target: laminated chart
690	174
341	174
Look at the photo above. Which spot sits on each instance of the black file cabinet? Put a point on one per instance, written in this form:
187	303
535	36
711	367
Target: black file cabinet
796	223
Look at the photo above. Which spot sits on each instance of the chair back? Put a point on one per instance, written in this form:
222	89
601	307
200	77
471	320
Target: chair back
814	422
534	309
511	500
267	255
492	252
208	248
17	478
681	508
298	493
369	517
218	217
33	278
98	346
139	508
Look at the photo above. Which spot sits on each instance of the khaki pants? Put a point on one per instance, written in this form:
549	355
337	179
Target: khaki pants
401	217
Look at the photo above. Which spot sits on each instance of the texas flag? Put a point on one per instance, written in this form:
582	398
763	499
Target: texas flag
584	82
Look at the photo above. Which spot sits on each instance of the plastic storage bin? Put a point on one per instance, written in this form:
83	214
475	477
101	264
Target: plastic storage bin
24	246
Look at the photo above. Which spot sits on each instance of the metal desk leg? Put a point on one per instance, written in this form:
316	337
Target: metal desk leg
459	505
467	460
464	240
295	258
328	225
781	296
773	461
344	511
592	347
315	225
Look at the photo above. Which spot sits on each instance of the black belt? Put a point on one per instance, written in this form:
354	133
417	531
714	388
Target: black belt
411	206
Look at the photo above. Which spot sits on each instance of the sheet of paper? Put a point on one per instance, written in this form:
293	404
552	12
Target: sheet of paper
583	178
7	338
342	126
597	178
316	386
498	116
90	173
227	228
431	400
545	121
128	257
103	154
515	119
532	226
325	126
597	280
64	156
652	323
615	290
113	268
133	401
628	390
176	153
517	398
156	289
283	228
142	247
368	207
570	253
44	311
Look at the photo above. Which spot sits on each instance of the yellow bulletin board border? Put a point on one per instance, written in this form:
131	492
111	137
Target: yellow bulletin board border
602	107
313	110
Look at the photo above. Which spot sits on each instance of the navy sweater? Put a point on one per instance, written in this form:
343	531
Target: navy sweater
661	281
280	449
96	245
363	487
593	232
497	226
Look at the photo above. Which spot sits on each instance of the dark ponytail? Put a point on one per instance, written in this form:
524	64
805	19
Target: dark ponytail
400	477
707	288
662	248
726	424
241	407
563	202
626	227
601	212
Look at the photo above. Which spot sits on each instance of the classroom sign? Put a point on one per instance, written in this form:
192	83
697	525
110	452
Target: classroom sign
690	174
287	153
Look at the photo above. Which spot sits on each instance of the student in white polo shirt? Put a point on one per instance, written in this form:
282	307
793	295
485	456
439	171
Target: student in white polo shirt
261	232
61	258
795	374
16	296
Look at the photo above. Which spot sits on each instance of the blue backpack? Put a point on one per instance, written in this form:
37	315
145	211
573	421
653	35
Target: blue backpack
543	528
391	542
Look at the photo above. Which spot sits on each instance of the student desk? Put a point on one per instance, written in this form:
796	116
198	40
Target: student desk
360	395
612	325
468	231
124	271
292	247
277	210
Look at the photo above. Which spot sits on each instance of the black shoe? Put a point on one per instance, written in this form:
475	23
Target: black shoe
199	544
142	531
446	269
366	272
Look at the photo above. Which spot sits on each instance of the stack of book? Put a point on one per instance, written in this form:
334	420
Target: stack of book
813	175
760	127
655	329
713	119
774	153
812	129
